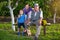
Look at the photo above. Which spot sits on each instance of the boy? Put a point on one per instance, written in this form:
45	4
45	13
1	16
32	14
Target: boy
21	20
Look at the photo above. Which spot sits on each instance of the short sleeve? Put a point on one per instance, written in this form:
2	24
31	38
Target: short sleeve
29	14
25	17
41	14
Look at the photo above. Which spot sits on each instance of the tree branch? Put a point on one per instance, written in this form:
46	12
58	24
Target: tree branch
16	5
9	4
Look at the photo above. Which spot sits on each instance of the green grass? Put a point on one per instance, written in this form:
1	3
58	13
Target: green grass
5	35
52	33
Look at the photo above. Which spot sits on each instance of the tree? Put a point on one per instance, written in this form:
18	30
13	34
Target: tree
54	4
11	12
55	8
2	7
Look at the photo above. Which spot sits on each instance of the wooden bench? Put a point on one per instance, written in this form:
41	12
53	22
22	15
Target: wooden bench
44	26
48	24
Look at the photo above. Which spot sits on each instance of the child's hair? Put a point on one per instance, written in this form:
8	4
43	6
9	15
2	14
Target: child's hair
20	10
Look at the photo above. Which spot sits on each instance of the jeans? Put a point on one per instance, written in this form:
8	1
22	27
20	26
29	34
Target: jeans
38	27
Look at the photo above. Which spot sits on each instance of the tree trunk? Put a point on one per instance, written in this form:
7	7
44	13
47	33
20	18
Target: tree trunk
11	13
54	20
12	18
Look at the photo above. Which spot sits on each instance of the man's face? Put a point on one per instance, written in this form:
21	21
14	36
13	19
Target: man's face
27	6
36	8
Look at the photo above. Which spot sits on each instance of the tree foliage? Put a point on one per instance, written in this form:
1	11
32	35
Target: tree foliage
45	5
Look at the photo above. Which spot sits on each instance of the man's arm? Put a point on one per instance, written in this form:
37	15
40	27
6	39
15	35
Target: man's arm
29	17
41	17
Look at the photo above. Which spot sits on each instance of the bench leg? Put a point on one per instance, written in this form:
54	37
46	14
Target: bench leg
44	30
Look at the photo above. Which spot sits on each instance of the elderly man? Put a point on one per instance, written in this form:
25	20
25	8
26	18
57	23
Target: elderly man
35	17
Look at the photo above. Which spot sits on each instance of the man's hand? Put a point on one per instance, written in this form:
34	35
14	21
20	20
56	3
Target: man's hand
40	21
27	22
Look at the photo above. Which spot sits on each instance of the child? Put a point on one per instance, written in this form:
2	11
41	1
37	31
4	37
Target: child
21	20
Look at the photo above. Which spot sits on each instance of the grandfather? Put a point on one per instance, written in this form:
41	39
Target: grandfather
35	17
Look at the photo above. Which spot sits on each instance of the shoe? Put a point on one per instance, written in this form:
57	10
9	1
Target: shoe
18	33
23	33
35	38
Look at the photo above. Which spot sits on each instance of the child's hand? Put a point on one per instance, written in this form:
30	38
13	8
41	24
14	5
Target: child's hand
18	16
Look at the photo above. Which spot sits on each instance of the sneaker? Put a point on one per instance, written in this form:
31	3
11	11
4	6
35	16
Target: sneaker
23	33
18	33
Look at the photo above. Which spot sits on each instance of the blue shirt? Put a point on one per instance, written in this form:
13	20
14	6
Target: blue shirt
22	18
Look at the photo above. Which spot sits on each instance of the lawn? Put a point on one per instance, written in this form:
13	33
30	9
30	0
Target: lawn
52	33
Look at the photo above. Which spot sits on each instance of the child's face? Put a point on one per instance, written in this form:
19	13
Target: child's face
21	12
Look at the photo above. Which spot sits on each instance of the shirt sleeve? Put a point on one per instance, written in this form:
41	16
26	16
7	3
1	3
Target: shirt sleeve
29	14
25	17
41	14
